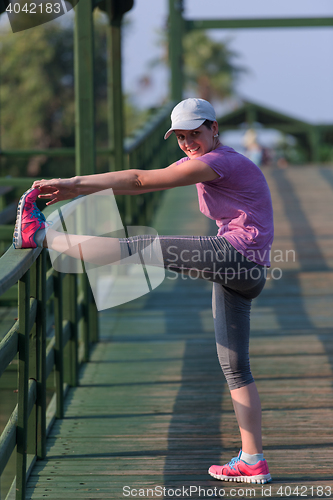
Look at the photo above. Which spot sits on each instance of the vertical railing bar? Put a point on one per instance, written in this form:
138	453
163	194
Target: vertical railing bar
128	198
91	332
86	317
74	342
134	164
33	364
93	318
139	165
59	366
23	381
71	314
41	356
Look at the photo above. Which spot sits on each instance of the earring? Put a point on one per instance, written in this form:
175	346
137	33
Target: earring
216	135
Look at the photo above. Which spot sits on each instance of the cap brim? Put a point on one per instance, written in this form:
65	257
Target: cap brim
169	132
189	125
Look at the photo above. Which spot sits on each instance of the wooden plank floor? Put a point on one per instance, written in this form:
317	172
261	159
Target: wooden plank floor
153	409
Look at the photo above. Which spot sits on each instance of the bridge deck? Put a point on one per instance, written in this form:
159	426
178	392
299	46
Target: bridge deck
153	410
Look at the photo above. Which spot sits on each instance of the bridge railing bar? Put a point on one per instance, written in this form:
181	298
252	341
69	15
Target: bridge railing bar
50	153
302	22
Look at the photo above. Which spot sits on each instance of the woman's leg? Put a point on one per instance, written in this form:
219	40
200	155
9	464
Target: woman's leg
95	249
247	408
231	314
210	258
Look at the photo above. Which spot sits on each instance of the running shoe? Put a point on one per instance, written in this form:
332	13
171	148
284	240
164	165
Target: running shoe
240	471
29	220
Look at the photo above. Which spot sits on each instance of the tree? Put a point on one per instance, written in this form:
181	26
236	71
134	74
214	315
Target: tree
37	96
36	78
209	68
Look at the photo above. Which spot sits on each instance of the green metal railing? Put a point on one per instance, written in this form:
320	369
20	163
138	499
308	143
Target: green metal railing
52	309
57	319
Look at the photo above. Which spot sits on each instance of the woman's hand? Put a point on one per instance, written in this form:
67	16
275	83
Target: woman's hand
57	189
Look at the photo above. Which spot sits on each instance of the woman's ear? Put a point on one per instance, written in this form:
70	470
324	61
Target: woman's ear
215	129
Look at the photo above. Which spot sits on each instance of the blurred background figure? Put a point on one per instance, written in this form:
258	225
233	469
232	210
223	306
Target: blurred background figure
252	149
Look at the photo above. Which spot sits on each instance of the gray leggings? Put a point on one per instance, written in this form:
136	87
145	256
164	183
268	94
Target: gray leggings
236	281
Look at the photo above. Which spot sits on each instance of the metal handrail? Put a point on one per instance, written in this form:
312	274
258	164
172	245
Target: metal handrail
51	152
130	143
156	121
14	265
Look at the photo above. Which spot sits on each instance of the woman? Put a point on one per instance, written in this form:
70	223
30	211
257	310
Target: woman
232	191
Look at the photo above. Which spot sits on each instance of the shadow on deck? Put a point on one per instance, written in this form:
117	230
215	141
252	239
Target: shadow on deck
153	410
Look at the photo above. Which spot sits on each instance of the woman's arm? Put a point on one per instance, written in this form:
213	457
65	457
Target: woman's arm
122	183
132	181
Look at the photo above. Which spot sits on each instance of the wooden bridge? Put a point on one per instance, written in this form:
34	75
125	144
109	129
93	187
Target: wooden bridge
152	409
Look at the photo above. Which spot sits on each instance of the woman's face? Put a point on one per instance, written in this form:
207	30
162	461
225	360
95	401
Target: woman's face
197	142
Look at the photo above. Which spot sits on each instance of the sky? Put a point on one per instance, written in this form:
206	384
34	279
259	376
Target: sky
290	70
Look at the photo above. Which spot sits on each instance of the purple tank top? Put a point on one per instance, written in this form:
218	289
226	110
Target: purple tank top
239	201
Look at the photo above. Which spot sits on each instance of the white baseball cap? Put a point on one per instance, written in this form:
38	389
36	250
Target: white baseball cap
190	114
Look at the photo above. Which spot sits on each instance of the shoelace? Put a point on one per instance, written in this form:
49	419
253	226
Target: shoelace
233	462
38	214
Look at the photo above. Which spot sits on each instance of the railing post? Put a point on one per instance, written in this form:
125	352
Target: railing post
115	95
84	89
23	381
84	110
176	31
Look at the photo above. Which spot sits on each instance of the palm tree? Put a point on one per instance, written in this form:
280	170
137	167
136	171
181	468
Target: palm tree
209	67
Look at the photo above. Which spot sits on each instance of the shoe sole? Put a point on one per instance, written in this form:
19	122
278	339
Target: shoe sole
259	479
17	237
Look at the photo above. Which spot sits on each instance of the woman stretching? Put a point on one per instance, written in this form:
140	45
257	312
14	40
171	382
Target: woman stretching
232	191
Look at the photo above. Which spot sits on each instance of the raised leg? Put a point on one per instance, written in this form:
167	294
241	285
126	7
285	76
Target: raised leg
95	249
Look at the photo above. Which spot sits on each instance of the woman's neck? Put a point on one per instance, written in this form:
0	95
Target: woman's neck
216	144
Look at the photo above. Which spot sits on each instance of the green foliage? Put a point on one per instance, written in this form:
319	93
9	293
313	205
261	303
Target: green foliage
209	66
26	87
291	151
37	96
326	153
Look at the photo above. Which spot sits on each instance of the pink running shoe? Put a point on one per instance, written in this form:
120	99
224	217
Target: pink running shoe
238	470
29	220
